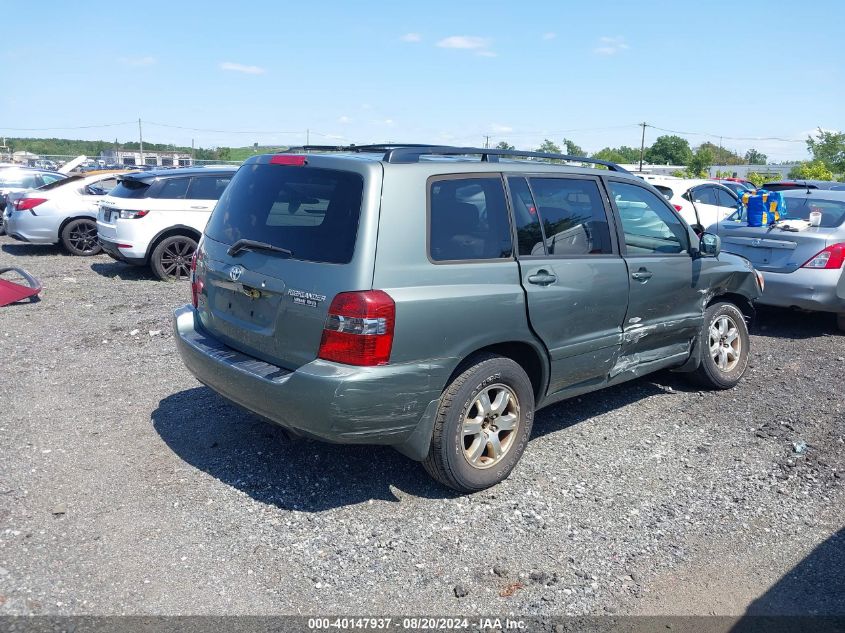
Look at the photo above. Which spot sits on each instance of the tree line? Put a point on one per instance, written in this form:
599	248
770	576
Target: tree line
826	147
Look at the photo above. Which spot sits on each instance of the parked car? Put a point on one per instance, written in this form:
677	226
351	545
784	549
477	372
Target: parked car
14	179
802	268
742	181
396	295
739	187
699	201
63	212
785	185
155	218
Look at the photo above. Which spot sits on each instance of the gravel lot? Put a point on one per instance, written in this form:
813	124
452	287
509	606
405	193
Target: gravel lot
127	487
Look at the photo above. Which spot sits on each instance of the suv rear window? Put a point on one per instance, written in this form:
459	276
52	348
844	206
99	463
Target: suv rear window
130	189
311	212
468	220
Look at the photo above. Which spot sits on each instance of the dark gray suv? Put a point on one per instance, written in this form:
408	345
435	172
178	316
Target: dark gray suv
433	298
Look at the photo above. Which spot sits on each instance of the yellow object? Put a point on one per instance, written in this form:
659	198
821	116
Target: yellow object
765	197
765	218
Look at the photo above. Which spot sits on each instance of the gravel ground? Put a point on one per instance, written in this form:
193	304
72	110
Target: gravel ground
127	487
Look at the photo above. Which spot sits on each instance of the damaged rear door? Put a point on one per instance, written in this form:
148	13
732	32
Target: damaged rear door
665	309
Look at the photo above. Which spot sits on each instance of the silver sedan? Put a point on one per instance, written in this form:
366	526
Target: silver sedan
801	256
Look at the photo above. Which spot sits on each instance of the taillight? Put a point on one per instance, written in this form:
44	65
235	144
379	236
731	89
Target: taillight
288	159
196	282
359	328
27	204
126	214
831	257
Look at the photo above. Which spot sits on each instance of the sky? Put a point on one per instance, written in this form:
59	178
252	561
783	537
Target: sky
451	72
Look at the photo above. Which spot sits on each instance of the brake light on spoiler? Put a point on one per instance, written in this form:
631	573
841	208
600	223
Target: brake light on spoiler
292	160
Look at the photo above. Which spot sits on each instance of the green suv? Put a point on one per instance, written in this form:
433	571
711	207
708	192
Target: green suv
433	298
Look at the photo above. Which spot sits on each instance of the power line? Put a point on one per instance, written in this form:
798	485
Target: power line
78	127
732	138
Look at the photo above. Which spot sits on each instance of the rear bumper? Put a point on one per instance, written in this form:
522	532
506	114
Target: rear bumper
805	288
391	405
111	249
33	229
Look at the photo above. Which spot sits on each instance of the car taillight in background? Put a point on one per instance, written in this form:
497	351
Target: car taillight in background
27	204
196	280
359	328
126	214
830	258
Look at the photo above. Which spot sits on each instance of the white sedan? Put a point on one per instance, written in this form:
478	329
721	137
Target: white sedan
64	212
699	201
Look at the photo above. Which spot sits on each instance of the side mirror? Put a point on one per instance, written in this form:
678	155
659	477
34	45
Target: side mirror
709	245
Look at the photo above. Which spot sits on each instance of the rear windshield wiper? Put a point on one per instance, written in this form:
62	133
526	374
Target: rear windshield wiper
247	245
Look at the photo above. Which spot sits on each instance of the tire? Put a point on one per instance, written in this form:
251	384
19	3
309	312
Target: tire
79	237
725	345
171	258
840	322
465	461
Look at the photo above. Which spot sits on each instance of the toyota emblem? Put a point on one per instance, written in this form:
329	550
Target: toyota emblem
235	272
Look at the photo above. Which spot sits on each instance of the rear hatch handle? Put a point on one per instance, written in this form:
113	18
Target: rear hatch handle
249	245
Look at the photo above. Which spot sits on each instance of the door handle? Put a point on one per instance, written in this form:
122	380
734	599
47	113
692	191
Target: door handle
642	274
542	278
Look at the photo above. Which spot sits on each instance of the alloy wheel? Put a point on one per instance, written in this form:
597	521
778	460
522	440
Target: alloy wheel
176	258
490	426
83	237
725	343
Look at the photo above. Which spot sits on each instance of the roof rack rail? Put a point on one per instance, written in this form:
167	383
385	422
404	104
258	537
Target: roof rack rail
412	152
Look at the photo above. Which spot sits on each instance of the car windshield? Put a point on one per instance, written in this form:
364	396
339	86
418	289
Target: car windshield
59	183
800	207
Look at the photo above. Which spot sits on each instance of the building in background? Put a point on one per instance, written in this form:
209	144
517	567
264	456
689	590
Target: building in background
153	158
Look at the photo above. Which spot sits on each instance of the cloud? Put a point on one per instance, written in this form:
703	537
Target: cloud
501	129
412	37
137	61
388	122
344	119
610	46
241	68
549	36
478	45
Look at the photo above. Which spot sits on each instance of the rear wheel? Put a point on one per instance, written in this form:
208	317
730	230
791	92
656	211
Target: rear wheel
79	237
483	424
171	258
725	346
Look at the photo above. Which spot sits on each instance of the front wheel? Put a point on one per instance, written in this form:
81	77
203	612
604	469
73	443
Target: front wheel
171	258
483	424
79	237
725	345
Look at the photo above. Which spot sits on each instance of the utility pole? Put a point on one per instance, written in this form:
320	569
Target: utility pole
308	137
486	141
141	140
192	152
721	155
642	145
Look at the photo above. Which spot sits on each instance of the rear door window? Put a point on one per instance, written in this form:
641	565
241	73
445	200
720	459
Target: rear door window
174	189
703	195
311	212
207	187
468	220
573	216
725	199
